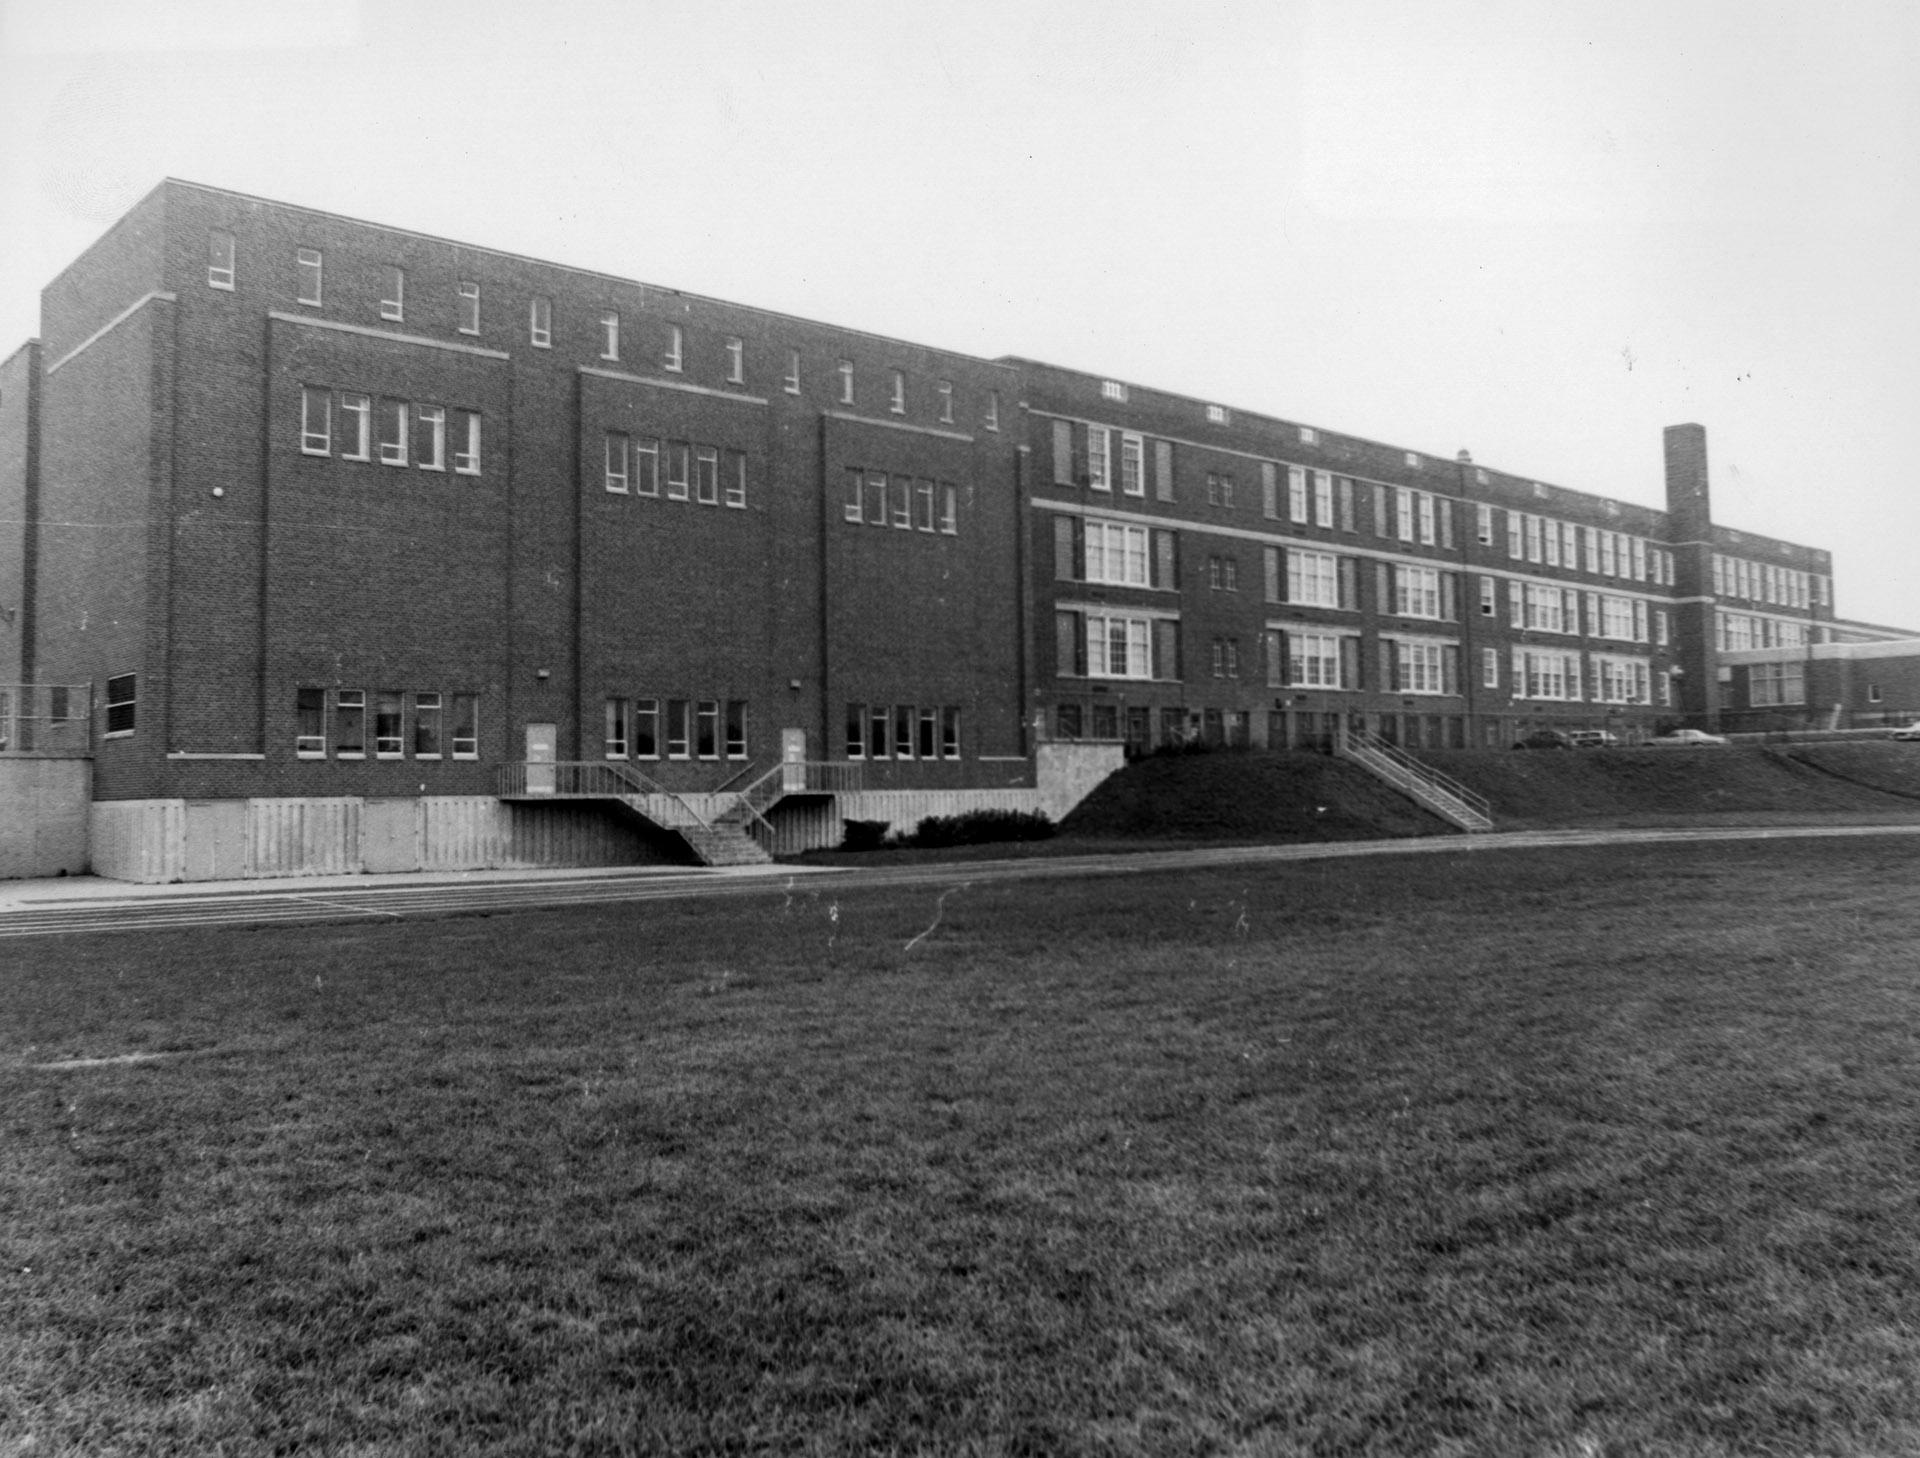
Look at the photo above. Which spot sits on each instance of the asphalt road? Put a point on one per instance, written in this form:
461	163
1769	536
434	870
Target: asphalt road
52	908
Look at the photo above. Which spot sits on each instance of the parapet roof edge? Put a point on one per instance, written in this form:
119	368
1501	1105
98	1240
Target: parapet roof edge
1018	360
575	269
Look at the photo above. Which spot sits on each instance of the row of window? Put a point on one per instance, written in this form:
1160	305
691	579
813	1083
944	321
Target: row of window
691	728
1565	544
902	731
911	503
352	426
1765	582
710	475
1547	608
1092	643
310	291
403	725
1735	631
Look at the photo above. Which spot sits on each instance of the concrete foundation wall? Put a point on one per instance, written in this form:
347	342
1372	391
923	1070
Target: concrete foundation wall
220	840
43	816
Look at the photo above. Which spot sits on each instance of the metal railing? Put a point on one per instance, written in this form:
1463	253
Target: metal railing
588	780
795	777
1439	792
46	719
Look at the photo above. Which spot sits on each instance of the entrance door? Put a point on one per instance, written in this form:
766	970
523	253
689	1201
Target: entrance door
543	742
793	760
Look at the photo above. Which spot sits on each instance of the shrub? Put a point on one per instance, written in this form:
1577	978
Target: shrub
980	827
863	835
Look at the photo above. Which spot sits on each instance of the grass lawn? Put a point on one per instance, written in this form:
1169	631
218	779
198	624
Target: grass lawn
1594	1152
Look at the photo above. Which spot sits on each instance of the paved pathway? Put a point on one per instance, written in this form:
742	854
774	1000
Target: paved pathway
89	904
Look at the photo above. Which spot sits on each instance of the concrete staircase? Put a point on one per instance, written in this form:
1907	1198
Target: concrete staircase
1421	783
724	841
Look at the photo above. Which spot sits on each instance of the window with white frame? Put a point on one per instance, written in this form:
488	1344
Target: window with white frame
393	432
897	400
1403	513
1313	660
619	462
1424	509
1313	578
466	726
469	307
466	452
1416	592
1483	523
430	437
1097	468
220	251
706	467
349	724
1133	465
610	334
1323	499
1113	390
1516	536
943	392
673	357
1547	609
1616	680
316	421
1546	674
356	427
122	704
736	360
1490	668
992	423
1219	415
1297	494
845	370
791	381
393	299
1119	647
389	725
308	264
1616	617
1117	553
426	725
1419	667
310	723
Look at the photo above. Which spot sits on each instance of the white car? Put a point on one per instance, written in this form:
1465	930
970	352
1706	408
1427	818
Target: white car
1912	731
1688	737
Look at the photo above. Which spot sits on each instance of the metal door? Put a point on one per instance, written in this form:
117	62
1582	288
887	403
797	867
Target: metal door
793	760
543	742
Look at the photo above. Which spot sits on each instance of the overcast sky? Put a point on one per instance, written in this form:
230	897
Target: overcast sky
1540	230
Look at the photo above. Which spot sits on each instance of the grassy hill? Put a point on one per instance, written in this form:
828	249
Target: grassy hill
1277	796
1307	797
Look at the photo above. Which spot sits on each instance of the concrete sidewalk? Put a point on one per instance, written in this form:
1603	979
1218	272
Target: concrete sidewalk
61	890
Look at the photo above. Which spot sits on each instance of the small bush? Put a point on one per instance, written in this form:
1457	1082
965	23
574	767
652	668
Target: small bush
980	827
863	835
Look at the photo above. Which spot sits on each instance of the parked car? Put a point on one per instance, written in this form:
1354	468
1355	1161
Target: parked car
1544	739
1592	738
1912	731
1685	738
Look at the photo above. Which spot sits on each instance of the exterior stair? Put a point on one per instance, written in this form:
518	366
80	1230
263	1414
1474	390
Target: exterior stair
1421	783
723	844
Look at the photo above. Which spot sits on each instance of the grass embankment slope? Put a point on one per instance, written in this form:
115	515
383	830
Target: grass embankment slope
1722	785
1593	1153
1235	796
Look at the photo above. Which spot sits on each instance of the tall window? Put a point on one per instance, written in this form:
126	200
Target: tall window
426	726
1296	494
845	370
993	415
469	307
430	422
219	259
356	428
706	462
466	453
792	381
1118	647
393	301
122	703
679	470
1323	499
350	723
736	361
393	433
646	728
618	462
733	480
466	726
674	357
898	398
308	261
310	723
610	334
1313	578
540	322
1133	464
1097	468
945	392
389	725
316	422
